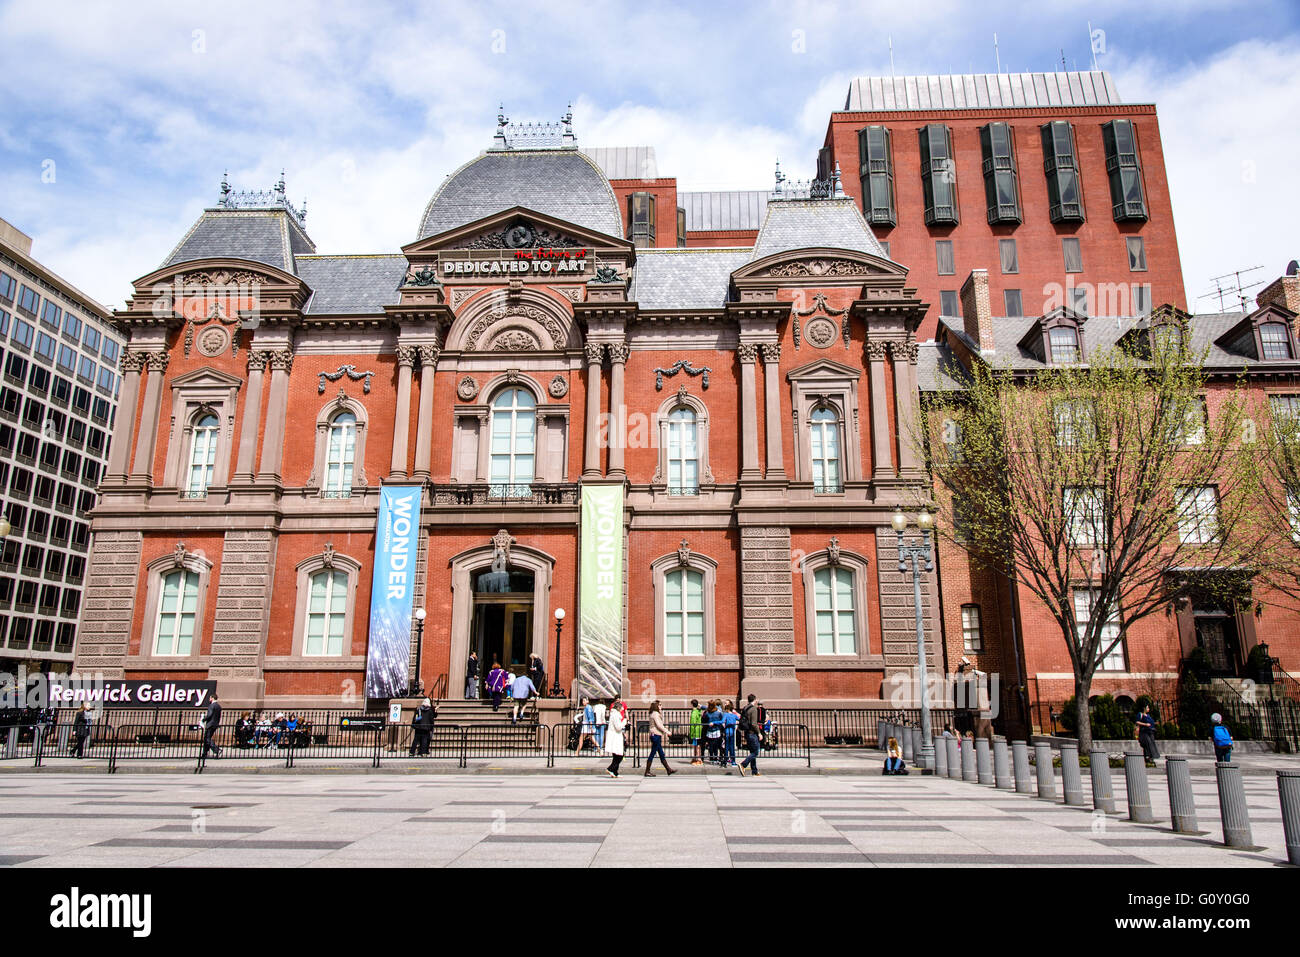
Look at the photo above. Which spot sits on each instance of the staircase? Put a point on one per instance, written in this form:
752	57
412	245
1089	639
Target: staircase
469	713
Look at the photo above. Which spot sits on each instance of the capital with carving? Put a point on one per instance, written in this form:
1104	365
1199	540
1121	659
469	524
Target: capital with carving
771	352
257	360
132	361
157	361
406	355
429	355
594	352
619	351
877	350
281	360
903	351
747	352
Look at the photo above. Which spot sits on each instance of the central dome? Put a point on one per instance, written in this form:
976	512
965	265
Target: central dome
561	183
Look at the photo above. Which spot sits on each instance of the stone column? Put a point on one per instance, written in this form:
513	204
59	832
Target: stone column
424	423
591	459
119	456
276	409
747	353
882	458
772	405
618	353
905	400
142	471
402	417
247	461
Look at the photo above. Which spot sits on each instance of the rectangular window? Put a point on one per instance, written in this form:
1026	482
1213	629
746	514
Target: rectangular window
80	400
1064	198
1079	300
683	612
90	339
944	257
1111	644
28	301
45	346
1064	343
938	175
177	607
1274	339
326	613
23	333
15	369
8	286
100	410
1286	415
885	247
51	315
949	303
681	228
109	351
876	169
972	636
1072	254
1198	515
1137	253
1084	515
67	359
1007	254
106	379
833	597
1001	191
1125	169
1193	432
641	219
40	379
86	369
1074	423
1141	299
71	326
1012	303
4	323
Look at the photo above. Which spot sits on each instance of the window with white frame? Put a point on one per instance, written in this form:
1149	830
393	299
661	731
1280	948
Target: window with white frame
1074	422
177	611
1293	510
1198	515
833	592
972	634
683	612
340	455
1064	343
203	456
1286	415
1111	643
1193	432
1084	514
824	428
1274	340
327	605
683	452
514	440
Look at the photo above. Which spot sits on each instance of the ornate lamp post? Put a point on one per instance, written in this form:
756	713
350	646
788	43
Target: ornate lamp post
918	553
418	686
556	690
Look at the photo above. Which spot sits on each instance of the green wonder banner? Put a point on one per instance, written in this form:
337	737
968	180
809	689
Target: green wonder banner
600	612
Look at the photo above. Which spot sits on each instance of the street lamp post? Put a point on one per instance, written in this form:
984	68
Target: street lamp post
556	691
420	613
918	553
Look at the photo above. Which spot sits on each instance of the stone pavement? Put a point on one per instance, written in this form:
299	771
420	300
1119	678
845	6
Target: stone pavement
566	818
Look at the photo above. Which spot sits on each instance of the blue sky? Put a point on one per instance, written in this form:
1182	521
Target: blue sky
117	120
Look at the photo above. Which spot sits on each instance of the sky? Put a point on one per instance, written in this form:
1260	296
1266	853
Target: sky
117	120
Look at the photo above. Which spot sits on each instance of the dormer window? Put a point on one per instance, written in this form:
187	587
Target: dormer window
1064	343
1263	336
1274	341
1166	339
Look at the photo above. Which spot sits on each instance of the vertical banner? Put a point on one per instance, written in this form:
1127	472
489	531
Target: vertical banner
600	603
388	653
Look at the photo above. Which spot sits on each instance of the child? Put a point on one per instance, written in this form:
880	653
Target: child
894	759
1222	739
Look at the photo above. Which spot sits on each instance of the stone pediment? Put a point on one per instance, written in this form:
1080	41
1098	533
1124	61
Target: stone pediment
810	266
207	377
515	228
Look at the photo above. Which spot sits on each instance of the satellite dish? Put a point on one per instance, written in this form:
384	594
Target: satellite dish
1292	268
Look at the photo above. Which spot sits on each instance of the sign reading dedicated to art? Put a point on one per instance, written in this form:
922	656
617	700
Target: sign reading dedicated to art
388	654
600	604
538	262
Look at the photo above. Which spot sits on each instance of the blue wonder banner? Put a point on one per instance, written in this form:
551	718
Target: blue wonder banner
388	655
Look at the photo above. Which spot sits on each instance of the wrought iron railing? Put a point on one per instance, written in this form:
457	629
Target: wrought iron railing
534	493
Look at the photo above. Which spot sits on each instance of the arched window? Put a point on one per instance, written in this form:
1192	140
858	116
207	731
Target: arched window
683	452
514	440
683	612
177	608
203	456
327	605
340	455
834	594
824	425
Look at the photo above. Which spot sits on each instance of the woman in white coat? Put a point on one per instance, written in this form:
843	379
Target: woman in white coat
614	736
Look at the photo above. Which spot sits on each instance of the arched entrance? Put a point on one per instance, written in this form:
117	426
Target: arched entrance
502	627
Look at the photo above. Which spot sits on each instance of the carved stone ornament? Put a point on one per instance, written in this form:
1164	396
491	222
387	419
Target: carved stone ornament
607	273
157	361
684	554
257	360
543	319
425	275
747	352
771	352
682	365
682	394
178	554
467	389
216	314
221	277
877	349
571	293
327	556
212	341
501	543
460	295
821	332
619	351
559	387
820	305
833	551
521	235
282	360
594	351
351	372
818	268
515	340
132	361
428	354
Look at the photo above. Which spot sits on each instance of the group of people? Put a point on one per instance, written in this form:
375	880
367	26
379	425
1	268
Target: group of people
715	726
265	732
536	675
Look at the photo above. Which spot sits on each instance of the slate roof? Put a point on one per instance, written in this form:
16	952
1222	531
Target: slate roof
724	209
936	368
269	236
563	183
351	284
981	91
806	224
684	278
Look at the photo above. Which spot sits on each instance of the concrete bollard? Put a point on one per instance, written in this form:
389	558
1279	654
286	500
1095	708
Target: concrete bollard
905	741
918	748
1103	792
1232	805
968	760
1071	779
1002	765
940	758
1135	783
11	743
1020	760
1288	790
1046	774
881	738
954	757
1182	802
983	761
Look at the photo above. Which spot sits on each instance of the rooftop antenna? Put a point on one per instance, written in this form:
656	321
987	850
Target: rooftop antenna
996	55
1234	288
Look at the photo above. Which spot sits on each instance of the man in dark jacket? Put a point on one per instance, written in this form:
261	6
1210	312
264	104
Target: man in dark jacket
751	724
81	730
423	725
211	721
471	676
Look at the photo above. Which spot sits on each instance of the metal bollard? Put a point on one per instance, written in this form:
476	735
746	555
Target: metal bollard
1135	784
954	757
64	734
983	761
1020	760
1002	765
940	758
1103	792
918	748
881	738
1232	805
1182	802
1288	790
968	760
11	743
905	740
1071	779
1046	774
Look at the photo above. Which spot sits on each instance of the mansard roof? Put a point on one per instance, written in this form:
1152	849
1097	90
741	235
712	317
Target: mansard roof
814	224
684	278
270	236
351	284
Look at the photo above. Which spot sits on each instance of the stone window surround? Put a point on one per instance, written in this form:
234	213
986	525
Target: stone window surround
323	421
303	573
482	413
860	567
696	405
827	383
155	572
193	395
695	562
1058	321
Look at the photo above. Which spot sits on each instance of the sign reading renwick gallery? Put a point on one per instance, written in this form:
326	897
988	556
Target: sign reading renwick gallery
600	601
388	654
156	693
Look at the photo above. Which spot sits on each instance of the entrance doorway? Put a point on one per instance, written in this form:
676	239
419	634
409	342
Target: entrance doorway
502	625
1216	632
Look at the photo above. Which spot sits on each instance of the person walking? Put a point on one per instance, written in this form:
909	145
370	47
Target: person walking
211	722
697	733
496	684
536	673
614	737
422	722
658	732
750	723
81	730
1146	729
588	733
471	677
520	692
1222	739
600	721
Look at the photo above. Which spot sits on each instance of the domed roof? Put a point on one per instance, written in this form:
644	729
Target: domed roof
562	183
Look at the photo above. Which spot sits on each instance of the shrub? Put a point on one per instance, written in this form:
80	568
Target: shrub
1168	729
1109	722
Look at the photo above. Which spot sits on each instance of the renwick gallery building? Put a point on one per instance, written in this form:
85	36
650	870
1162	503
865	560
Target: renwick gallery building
680	416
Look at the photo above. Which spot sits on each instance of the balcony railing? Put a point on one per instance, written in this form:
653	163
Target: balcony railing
535	493
827	488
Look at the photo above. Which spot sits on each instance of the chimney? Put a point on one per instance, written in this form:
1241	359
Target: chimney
1284	292
977	317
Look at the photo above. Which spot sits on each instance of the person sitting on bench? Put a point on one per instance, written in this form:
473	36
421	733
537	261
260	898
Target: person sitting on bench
894	760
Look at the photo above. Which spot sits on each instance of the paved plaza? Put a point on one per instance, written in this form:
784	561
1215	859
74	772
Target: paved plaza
490	816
